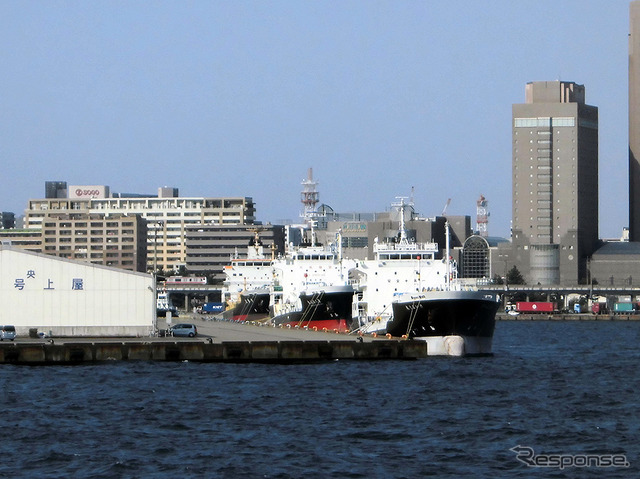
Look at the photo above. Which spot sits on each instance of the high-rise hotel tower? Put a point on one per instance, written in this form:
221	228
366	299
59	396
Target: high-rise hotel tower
555	183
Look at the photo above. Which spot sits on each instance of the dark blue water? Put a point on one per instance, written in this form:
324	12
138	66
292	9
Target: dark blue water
558	388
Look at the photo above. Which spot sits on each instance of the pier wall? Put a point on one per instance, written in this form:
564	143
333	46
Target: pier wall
259	351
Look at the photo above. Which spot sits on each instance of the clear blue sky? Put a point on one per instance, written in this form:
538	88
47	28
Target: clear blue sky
240	98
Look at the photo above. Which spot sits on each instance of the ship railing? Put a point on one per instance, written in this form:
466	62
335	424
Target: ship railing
426	247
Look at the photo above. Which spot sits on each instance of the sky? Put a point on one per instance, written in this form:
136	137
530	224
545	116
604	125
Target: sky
241	98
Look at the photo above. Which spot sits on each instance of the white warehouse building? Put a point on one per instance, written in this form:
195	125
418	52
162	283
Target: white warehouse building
72	298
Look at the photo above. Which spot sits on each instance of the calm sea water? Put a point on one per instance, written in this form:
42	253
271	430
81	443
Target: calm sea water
557	388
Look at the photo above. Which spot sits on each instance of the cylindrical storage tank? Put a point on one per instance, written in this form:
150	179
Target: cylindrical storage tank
545	264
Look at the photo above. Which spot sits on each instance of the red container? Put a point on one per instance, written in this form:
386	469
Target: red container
535	307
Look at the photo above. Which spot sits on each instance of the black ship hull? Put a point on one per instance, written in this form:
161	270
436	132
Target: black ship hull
441	317
253	306
329	309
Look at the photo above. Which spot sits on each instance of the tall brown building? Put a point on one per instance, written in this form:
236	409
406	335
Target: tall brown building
555	183
634	121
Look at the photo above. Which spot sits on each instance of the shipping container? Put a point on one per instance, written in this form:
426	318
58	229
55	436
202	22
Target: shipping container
623	307
535	307
212	308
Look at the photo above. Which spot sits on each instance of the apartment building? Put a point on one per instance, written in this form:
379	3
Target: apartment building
117	240
30	240
167	216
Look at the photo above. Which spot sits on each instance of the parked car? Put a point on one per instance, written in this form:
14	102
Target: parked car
184	329
8	332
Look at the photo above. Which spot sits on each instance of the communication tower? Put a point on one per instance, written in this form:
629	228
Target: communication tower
309	196
482	216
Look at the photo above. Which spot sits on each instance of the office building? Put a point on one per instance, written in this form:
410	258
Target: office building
211	247
359	237
7	220
55	189
555	183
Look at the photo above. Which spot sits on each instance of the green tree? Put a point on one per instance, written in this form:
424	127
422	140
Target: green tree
514	276
182	270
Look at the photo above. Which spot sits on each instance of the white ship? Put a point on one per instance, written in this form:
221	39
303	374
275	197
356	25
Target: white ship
407	292
398	267
248	283
307	287
404	291
311	287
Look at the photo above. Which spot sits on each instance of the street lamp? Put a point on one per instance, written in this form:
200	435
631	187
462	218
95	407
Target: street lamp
504	257
590	278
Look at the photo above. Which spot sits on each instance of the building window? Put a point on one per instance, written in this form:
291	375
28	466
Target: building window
475	258
588	124
563	121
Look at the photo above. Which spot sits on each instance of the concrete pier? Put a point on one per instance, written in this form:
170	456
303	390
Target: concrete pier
217	341
203	351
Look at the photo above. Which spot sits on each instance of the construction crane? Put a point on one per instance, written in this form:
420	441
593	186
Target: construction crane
444	210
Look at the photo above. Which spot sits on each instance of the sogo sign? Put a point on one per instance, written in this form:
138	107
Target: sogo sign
88	191
80	192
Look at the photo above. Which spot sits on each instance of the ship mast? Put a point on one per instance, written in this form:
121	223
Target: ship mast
403	226
402	229
448	272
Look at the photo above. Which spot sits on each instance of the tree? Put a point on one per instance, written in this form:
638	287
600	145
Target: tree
182	271
514	276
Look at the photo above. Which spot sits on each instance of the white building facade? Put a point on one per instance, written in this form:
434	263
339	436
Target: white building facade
72	298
